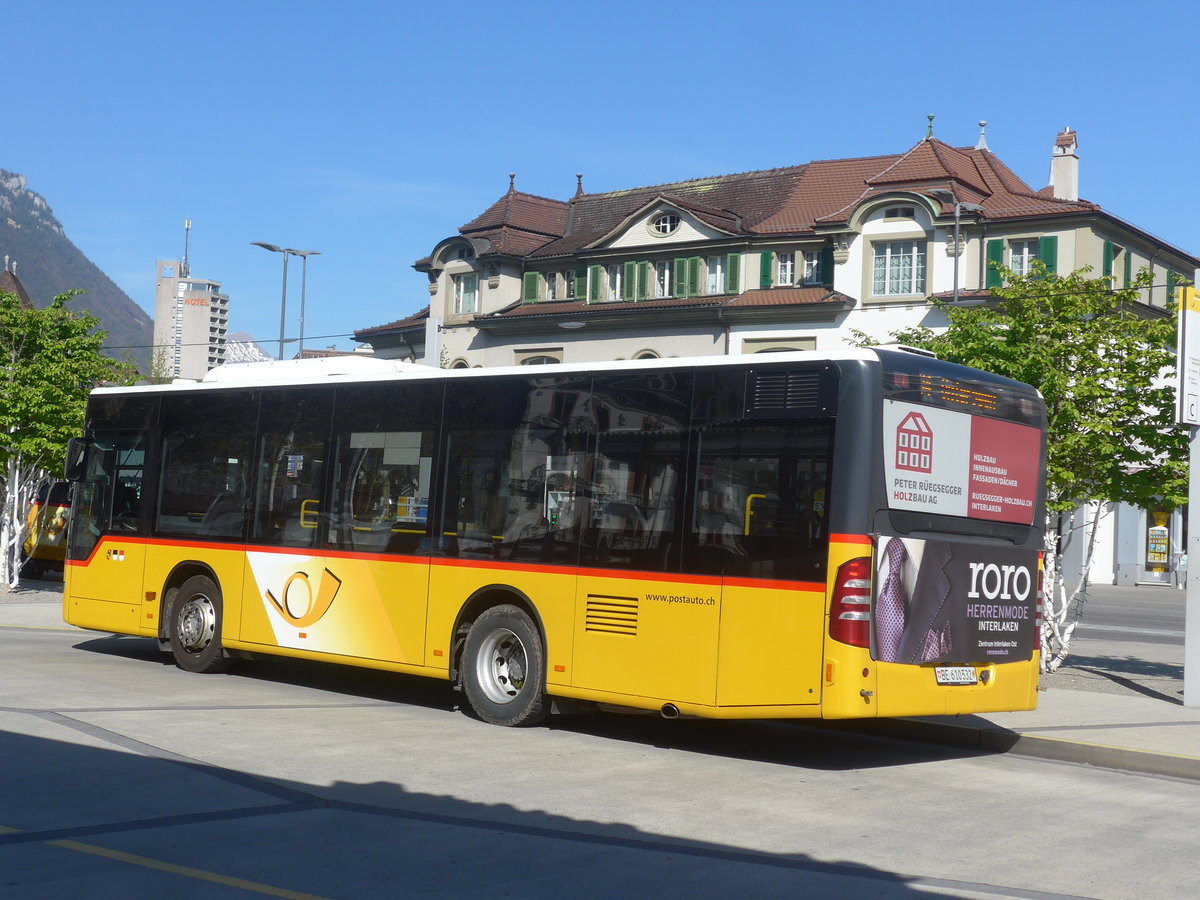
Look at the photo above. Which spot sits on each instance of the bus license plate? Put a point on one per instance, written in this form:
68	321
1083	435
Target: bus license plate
955	674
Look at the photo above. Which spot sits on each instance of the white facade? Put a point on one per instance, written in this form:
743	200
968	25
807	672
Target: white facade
191	322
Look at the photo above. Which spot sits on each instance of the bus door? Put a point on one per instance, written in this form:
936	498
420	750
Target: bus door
106	556
760	521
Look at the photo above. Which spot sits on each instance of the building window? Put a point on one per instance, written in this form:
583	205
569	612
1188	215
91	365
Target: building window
465	253
551	285
543	356
569	284
900	212
778	345
716	275
1021	254
812	267
466	291
614	282
668	223
662	278
899	268
787	269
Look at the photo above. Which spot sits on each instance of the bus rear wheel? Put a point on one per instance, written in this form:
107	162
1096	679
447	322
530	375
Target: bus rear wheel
504	668
195	627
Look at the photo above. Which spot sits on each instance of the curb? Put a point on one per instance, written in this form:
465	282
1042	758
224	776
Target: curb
1001	740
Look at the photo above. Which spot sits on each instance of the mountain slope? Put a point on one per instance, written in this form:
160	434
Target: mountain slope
48	264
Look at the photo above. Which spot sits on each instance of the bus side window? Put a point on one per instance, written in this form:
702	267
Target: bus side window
204	465
514	468
760	507
384	439
636	476
294	430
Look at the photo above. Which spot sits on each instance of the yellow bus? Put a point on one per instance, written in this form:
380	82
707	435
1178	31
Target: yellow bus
850	534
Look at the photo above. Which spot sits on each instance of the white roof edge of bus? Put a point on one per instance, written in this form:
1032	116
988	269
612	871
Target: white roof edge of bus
305	369
336	369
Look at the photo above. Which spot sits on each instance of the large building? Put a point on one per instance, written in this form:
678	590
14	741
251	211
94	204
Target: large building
760	261
191	322
792	258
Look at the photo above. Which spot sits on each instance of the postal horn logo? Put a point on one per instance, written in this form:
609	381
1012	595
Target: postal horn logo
914	444
299	604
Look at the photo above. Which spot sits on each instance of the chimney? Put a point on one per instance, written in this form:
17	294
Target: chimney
1064	166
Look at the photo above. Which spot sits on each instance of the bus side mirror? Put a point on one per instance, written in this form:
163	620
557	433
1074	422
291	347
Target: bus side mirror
76	465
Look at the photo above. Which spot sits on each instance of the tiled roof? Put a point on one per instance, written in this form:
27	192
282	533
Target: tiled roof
576	307
788	297
767	297
791	200
11	284
413	321
731	203
798	200
524	211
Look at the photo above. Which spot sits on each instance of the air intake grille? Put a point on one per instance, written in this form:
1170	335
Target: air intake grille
790	392
611	615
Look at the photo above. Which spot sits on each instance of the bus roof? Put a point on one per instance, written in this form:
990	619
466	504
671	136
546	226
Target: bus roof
349	370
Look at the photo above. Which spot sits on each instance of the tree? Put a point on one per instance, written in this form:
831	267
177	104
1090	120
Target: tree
1104	363
49	360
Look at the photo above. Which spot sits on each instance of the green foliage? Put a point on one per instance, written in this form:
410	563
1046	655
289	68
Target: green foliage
1104	363
49	360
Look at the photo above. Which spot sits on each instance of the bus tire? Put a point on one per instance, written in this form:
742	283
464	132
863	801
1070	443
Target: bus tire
195	627
504	668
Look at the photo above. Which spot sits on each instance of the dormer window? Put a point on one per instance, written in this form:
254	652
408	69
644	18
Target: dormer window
900	212
667	223
465	253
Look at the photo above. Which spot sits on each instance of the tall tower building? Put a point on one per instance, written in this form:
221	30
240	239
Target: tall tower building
191	321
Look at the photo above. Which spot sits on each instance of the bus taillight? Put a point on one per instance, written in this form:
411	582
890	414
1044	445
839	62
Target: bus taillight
850	612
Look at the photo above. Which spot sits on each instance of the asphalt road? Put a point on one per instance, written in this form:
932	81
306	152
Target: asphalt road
123	774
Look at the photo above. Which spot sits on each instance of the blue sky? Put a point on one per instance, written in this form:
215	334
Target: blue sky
369	131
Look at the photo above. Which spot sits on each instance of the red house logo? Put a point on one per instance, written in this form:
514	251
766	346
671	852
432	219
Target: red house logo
914	444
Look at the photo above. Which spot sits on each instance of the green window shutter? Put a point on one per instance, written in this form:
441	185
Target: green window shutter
694	265
644	277
1048	254
1108	259
995	254
595	283
581	283
1128	267
629	281
827	266
766	264
733	274
529	292
679	278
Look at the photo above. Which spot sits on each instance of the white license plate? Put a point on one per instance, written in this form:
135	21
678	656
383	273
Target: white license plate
955	674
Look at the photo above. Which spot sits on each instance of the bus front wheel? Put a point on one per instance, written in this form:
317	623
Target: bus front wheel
504	668
196	627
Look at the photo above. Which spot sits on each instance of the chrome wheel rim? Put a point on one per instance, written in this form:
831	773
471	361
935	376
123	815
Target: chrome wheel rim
197	624
501	666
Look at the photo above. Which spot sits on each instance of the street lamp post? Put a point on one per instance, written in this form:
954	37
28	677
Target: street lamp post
283	301
959	206
304	255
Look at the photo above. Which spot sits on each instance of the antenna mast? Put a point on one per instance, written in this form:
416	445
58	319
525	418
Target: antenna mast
184	272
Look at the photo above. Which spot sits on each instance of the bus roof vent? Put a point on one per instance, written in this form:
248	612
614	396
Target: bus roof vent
790	392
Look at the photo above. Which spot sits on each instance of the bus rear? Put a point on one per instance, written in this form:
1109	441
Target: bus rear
935	568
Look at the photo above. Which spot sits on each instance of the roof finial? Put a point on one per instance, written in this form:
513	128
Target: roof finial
929	131
5	262
578	184
512	179
981	144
